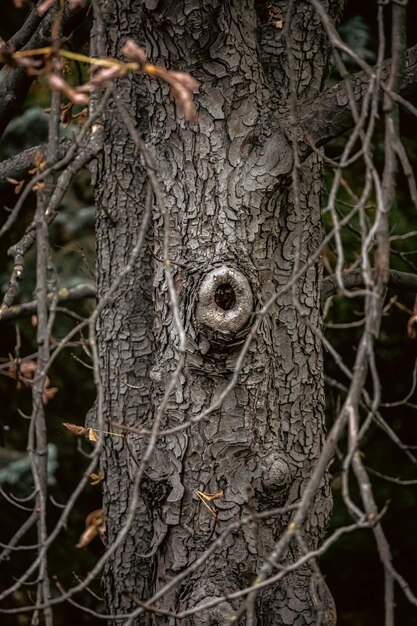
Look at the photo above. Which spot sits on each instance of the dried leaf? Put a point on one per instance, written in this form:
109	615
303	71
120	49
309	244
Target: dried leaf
87	536
103	76
274	17
208	497
182	84
74	429
45	6
186	80
57	83
132	51
94	525
182	88
81	117
27	369
38	186
211	496
96	478
39	162
18	184
49	393
92	435
9	57
66	114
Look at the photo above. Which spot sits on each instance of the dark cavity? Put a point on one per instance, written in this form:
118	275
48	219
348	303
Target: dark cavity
225	297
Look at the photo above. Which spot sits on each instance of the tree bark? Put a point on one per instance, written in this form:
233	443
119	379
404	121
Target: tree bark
125	332
243	220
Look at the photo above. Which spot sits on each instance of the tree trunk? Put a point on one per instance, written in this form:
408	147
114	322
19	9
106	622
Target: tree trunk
244	217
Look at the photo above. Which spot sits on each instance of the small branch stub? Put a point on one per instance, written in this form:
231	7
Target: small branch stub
225	301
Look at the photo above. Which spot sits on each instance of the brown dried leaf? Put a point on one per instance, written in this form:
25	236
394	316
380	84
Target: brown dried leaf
103	76
8	57
49	393
211	496
182	88
45	6
92	435
66	113
27	369
39	162
274	16
95	479
18	184
186	80
81	117
132	51
207	497
27	372
94	525
87	536
182	85
57	83
38	186
74	429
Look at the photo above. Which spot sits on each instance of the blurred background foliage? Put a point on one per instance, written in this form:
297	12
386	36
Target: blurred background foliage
354	572
352	566
73	245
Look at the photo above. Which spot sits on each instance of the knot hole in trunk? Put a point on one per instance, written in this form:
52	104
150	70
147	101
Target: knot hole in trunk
224	302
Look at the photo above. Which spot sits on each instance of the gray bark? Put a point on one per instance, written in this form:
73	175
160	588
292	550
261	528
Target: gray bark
235	219
125	333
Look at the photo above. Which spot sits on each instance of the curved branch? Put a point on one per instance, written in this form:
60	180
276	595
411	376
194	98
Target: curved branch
330	115
26	31
15	82
403	281
64	295
17	166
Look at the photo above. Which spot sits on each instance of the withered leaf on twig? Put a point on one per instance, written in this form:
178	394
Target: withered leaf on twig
74	429
208	497
25	376
18	184
92	433
96	478
81	430
182	85
94	525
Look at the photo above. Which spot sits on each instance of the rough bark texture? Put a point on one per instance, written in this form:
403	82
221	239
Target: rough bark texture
125	334
227	188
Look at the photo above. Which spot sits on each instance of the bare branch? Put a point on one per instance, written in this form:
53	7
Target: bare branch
16	82
16	167
403	281
64	294
330	115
